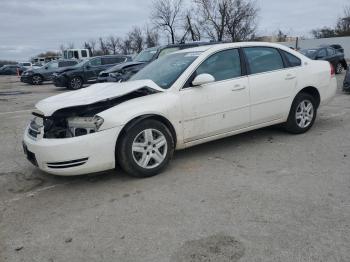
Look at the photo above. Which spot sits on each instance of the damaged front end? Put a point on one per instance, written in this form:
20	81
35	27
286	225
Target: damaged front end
79	120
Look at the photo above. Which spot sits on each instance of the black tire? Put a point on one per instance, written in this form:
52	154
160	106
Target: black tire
127	158
294	123
75	83
339	68
37	80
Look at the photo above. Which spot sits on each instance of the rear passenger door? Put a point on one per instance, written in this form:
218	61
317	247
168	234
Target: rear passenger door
272	84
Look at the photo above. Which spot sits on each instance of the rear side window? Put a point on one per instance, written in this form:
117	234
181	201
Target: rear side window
112	60
222	65
291	59
322	53
83	53
263	59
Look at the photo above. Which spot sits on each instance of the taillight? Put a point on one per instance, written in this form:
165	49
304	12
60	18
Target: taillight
332	70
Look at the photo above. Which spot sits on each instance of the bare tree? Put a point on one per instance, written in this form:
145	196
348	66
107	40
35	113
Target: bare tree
136	38
151	37
92	44
70	45
103	46
213	17
112	44
343	24
281	36
324	32
241	19
191	28
62	48
124	45
166	15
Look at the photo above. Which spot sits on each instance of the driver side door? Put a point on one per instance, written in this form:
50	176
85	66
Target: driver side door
219	107
92	69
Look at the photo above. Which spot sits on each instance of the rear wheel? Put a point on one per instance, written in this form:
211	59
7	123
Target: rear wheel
37	79
75	83
145	149
339	68
302	114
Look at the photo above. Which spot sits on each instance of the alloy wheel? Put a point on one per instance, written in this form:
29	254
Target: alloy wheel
339	68
75	83
304	114
149	148
36	80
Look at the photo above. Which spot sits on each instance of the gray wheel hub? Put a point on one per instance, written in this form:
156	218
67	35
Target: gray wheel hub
304	114
149	148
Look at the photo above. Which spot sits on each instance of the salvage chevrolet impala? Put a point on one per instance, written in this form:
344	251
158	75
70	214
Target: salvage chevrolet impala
180	100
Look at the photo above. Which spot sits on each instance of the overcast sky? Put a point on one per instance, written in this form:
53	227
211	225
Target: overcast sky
28	27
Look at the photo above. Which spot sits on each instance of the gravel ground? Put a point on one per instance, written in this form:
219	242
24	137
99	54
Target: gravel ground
260	196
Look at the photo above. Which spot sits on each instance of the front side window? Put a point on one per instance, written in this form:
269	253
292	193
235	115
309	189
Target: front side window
292	59
222	65
330	51
322	53
95	62
83	53
263	59
167	69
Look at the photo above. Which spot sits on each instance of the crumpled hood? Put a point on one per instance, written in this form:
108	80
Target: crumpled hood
116	68
92	94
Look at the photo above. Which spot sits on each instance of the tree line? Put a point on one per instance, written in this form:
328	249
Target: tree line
341	28
179	21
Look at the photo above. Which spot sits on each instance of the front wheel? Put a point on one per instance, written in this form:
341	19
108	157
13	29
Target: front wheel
302	114
75	83
37	79
145	149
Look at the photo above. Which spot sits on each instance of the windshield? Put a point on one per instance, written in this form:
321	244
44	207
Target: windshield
81	63
165	70
146	55
310	53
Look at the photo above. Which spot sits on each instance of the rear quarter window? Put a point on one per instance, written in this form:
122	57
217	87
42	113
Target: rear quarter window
291	59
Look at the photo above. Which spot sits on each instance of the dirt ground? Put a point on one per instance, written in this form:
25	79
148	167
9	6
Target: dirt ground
261	196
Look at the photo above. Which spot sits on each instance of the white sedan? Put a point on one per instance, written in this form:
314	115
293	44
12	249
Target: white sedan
180	100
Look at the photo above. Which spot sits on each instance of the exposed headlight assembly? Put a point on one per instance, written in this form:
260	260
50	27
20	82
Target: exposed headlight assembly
80	126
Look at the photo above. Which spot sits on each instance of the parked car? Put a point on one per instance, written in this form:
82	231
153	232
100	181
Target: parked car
86	71
45	73
346	85
329	54
123	72
11	69
338	48
180	100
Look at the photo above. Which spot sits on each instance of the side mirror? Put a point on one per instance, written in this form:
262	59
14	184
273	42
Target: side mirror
87	67
203	79
46	67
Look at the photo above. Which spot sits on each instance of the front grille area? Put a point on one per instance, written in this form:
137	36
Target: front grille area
30	155
67	164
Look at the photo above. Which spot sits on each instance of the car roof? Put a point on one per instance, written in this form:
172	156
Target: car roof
219	46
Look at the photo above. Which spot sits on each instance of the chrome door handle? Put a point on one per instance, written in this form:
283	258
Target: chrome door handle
238	88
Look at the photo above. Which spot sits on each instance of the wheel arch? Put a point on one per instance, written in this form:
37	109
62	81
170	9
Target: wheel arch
313	92
140	118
